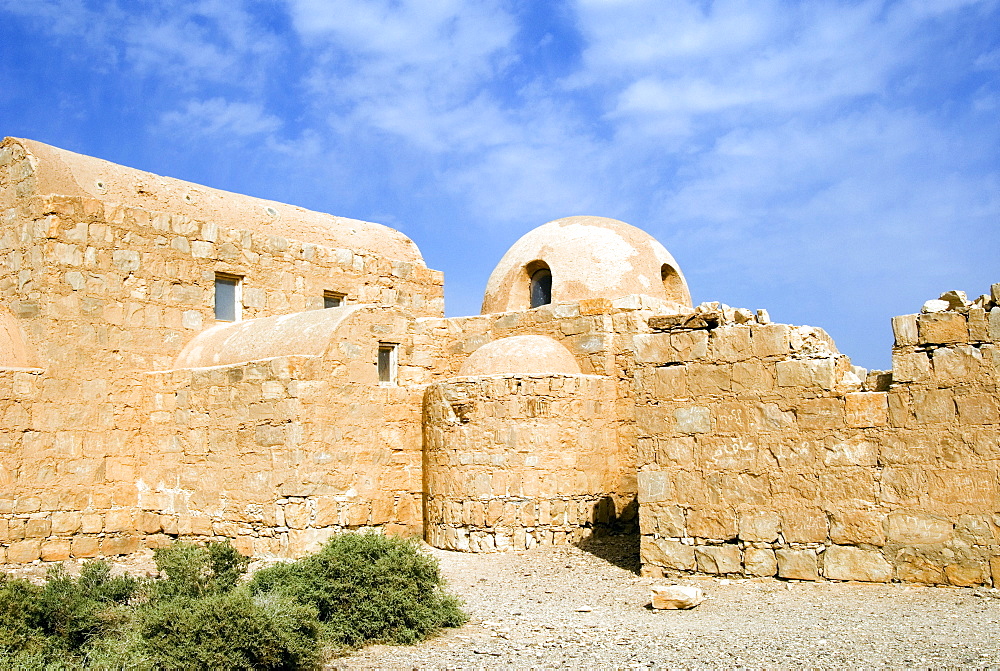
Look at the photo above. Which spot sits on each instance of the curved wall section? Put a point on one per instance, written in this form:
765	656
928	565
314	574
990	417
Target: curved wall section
518	461
524	355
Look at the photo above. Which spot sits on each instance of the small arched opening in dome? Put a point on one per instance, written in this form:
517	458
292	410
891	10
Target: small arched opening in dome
539	284
673	285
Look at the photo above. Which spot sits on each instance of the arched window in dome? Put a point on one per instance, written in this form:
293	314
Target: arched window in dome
540	288
672	283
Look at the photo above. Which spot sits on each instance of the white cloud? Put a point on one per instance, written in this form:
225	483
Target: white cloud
218	117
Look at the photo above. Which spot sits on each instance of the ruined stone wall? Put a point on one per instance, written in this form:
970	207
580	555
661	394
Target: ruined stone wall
761	452
511	462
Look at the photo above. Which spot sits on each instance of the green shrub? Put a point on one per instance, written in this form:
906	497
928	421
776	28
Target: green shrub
367	588
229	630
194	570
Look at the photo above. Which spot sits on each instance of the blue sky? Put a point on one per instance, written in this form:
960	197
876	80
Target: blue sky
834	162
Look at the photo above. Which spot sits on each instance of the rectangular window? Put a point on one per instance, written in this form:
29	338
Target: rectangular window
228	297
331	299
387	363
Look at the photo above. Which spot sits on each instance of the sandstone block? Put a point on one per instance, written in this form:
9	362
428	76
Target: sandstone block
807	373
904	328
941	328
759	562
867	409
995	561
797	564
994	324
979	325
976	409
91	523
667	553
933	405
718	559
915	528
85	546
821	413
842	562
676	597
670	381
662	520
759	525
119	545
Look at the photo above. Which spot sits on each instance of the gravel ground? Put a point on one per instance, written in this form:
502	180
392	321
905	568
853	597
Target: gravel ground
567	607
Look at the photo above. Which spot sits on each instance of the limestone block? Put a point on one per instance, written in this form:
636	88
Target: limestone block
904	328
662	520
714	524
965	575
752	377
91	523
759	525
866	409
994	324
56	549
693	419
977	409
689	345
654	486
979	327
910	366
933	405
821	413
956	364
797	564
653	348
770	340
852	527
850	451
38	528
730	343
718	559
24	552
942	328
807	373
915	528
760	562
841	562
65	523
804	525
995	561
676	597
667	554
85	546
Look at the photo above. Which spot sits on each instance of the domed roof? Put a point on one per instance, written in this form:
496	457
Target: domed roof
588	257
521	355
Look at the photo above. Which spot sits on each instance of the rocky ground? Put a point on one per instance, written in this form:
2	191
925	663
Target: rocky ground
567	607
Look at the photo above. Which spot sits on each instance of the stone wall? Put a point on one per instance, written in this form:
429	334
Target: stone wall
763	452
511	462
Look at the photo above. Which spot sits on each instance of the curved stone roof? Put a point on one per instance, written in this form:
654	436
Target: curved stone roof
299	334
60	172
521	355
589	257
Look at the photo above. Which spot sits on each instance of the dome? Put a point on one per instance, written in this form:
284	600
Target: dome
521	355
576	258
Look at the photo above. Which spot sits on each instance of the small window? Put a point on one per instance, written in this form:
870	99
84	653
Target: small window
227	297
541	287
387	363
331	299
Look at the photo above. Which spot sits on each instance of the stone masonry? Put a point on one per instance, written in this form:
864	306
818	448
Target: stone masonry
337	397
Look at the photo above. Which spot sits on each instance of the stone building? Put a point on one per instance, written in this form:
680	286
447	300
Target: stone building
181	362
